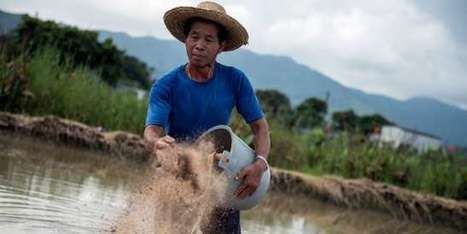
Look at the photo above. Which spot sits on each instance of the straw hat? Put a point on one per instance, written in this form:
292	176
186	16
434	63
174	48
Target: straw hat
175	19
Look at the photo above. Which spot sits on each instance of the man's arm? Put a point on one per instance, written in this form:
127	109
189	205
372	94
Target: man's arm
251	175
155	138
262	141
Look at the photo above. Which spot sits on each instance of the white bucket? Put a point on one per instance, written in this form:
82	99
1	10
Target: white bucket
237	156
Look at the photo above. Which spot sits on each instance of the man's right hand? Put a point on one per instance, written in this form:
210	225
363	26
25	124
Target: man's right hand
156	139
163	142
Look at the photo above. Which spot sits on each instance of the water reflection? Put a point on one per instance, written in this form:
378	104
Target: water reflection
38	194
51	188
268	221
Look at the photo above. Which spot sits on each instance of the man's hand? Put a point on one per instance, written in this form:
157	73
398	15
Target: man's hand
163	142
155	138
250	178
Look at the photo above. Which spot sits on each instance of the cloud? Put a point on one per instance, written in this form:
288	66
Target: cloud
393	47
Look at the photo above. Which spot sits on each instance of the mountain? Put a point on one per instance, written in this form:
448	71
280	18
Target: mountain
286	75
299	82
8	21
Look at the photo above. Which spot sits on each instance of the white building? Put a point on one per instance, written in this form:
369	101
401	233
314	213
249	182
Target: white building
397	136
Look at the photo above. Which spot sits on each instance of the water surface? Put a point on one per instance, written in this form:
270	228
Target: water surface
52	188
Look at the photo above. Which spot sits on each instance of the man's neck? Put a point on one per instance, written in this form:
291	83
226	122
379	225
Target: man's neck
200	73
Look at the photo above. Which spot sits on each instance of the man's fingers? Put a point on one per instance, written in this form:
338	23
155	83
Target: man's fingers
241	189
250	182
169	139
164	142
218	156
246	188
241	175
247	192
161	145
244	191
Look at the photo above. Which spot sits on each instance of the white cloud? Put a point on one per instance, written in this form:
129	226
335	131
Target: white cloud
391	48
387	47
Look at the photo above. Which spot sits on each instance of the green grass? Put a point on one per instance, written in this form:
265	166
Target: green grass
434	172
78	94
350	155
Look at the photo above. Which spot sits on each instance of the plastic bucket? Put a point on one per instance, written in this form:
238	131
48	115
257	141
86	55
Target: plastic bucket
237	155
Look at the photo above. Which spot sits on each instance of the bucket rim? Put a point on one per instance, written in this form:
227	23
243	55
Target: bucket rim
224	127
229	129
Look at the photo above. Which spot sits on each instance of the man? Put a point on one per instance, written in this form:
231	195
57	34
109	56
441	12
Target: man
202	93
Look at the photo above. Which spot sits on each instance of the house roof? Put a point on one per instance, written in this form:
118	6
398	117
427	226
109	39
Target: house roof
414	131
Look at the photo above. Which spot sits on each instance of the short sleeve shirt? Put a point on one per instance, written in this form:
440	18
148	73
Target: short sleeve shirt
186	108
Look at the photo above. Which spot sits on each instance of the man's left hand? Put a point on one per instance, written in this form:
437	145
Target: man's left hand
250	178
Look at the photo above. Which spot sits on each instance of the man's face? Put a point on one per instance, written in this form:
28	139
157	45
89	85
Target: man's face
202	44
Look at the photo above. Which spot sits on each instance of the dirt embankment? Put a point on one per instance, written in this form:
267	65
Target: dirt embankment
75	133
358	193
365	193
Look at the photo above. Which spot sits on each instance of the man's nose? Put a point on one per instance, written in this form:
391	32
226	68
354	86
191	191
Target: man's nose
200	45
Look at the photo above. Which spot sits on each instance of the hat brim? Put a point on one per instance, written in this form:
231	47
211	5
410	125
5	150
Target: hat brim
175	20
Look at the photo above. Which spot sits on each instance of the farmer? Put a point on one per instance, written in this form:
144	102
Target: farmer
202	93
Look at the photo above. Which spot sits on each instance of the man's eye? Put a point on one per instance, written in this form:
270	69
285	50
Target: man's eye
211	40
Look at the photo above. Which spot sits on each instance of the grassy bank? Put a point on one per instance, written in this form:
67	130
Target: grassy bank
434	172
352	156
41	85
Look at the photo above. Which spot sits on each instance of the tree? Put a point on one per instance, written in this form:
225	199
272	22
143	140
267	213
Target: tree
276	105
368	123
81	48
345	120
310	113
138	70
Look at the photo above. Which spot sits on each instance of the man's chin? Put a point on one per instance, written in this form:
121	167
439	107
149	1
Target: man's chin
198	64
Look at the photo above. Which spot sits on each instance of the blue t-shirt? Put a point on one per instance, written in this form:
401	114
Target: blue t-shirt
186	108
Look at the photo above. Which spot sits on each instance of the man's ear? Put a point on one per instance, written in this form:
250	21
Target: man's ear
221	48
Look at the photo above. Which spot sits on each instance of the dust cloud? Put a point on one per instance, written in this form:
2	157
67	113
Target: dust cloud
178	194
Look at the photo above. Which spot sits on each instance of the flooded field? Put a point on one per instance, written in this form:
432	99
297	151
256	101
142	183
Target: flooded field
50	188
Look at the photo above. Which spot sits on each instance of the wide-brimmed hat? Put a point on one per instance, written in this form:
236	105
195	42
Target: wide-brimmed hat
176	18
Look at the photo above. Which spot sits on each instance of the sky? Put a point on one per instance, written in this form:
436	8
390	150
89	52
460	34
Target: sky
398	48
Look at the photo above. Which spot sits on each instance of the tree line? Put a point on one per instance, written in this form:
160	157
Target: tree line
77	48
312	112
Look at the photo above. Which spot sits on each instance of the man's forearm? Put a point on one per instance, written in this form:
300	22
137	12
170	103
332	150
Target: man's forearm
262	140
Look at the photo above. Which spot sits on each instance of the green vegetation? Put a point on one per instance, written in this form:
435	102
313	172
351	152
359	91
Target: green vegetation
310	113
348	152
42	85
77	48
47	68
350	156
275	103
